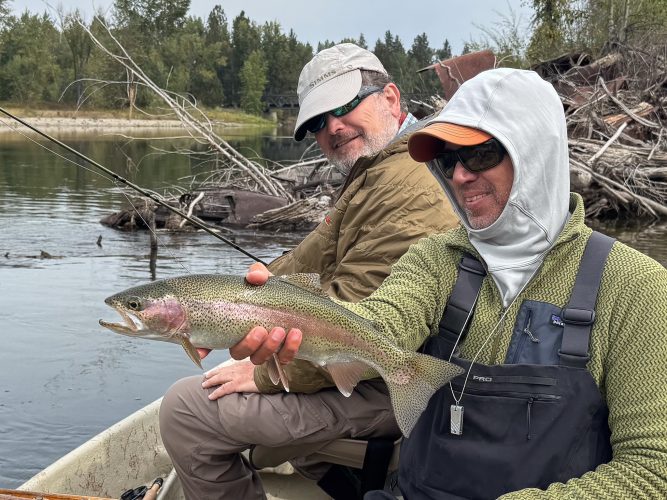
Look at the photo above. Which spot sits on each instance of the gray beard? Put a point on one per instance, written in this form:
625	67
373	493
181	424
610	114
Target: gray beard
372	145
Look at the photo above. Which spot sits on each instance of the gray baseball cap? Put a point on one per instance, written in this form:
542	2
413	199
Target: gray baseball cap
330	79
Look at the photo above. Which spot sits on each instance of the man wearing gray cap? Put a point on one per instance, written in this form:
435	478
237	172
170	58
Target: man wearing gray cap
388	202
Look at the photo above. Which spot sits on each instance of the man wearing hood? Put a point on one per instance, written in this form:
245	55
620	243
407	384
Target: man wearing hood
388	201
557	400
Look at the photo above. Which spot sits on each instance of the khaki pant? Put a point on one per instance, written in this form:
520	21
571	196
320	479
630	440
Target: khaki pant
205	438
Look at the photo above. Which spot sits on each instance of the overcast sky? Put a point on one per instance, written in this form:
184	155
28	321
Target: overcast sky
314	21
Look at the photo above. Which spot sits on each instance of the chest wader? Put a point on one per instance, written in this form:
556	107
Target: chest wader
537	419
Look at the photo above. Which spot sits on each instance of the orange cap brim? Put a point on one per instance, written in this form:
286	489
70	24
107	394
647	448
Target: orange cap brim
425	144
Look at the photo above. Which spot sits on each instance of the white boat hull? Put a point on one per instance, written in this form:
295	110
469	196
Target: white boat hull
130	453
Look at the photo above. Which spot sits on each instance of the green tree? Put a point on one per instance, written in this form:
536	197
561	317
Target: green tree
445	52
186	53
420	52
105	87
392	55
551	20
420	55
217	37
246	38
610	22
361	42
155	19
80	46
285	57
325	45
507	38
143	27
29	67
253	81
4	11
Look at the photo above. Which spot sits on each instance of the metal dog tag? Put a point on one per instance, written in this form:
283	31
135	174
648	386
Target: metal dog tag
456	420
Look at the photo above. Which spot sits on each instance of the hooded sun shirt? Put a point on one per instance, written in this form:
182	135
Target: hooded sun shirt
525	114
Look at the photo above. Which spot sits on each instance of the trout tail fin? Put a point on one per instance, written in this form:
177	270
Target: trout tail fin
412	385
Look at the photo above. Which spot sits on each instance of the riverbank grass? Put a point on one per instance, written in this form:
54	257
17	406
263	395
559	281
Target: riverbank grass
219	116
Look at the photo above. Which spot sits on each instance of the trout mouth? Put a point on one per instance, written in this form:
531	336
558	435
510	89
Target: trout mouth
132	325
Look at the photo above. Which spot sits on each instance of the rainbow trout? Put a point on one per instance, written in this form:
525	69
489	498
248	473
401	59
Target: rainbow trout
216	311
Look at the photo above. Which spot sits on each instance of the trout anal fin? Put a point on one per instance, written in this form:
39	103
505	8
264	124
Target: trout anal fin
191	351
276	372
346	375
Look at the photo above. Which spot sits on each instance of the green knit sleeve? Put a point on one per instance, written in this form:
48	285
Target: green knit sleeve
410	301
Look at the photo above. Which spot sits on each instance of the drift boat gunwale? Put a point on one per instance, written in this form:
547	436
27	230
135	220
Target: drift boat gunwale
131	453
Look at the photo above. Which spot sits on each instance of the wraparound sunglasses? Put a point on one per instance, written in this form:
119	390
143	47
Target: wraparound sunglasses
473	158
317	123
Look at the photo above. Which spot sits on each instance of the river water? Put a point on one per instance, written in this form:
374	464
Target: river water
63	378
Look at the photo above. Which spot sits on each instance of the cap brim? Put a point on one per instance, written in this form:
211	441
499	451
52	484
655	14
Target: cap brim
325	97
425	144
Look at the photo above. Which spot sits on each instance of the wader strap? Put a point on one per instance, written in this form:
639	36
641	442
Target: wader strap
461	302
578	315
376	463
344	483
340	483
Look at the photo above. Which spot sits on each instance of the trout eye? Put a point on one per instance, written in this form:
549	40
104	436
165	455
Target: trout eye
134	303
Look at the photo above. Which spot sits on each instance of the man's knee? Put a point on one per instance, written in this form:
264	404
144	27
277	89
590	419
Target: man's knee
177	401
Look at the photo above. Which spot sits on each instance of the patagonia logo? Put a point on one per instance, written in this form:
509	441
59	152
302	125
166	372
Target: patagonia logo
327	220
555	320
482	379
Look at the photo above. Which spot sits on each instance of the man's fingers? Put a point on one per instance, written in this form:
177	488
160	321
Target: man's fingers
270	346
237	377
213	379
249	344
290	346
257	274
221	391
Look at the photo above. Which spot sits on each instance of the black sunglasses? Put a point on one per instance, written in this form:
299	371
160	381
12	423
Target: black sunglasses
473	158
318	122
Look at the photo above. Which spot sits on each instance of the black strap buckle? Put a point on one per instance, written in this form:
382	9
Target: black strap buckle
580	317
472	265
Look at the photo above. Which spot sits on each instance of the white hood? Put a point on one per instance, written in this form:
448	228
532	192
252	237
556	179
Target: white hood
525	114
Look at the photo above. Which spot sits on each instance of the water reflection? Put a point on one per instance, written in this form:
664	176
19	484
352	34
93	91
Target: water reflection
63	378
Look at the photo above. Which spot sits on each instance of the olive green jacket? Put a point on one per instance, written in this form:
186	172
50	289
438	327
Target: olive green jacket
628	343
389	203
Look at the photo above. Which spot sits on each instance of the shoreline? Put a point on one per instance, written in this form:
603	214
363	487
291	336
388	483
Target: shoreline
83	124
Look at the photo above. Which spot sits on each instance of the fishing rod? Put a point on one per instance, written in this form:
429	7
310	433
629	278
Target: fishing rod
130	184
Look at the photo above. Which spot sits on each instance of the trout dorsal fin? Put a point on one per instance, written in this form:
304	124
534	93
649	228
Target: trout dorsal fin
307	281
346	375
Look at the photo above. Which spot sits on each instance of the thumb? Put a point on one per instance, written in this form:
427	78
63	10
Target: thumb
257	274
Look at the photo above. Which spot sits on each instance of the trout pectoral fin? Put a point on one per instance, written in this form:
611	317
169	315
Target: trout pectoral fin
276	372
191	351
346	375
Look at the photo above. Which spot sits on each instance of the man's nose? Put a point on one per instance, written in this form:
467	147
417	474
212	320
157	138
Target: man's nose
333	124
462	174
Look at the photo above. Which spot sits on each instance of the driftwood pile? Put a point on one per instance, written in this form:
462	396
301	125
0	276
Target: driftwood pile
616	111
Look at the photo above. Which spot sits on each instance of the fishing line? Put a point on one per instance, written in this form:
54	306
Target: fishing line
130	184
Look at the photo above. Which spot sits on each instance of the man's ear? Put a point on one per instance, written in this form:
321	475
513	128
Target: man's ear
393	96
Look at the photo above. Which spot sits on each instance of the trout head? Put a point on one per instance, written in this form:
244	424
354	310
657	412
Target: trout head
156	318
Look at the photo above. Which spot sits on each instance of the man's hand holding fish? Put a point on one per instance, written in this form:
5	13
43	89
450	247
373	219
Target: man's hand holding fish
260	345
